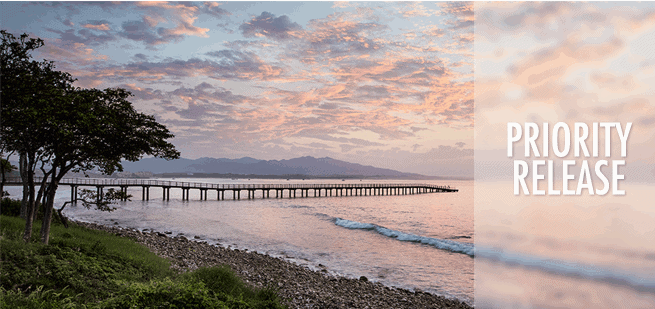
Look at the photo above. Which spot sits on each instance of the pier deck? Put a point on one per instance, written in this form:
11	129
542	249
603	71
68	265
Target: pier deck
318	190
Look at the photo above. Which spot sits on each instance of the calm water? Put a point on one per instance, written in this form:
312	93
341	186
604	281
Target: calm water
422	241
564	252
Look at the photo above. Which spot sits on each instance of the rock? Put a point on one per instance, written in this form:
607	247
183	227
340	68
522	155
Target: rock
363	278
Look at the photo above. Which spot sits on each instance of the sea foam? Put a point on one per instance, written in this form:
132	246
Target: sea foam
444	244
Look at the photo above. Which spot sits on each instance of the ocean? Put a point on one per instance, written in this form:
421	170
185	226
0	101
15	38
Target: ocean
553	252
564	252
421	241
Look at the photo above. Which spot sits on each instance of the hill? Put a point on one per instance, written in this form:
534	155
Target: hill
309	166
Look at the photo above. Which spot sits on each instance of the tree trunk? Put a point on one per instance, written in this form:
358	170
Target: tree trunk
4	177
2	184
41	196
28	195
48	206
22	165
31	166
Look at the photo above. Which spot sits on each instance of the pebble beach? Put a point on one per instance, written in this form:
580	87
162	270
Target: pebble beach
298	286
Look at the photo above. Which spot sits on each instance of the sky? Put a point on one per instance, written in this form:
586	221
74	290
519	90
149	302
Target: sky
387	84
565	62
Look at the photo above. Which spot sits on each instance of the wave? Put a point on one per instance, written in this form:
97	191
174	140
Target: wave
444	244
642	283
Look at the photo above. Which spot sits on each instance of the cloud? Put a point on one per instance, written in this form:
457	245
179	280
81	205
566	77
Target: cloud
142	31
461	13
100	25
459	9
144	93
268	25
140	57
182	14
350	81
203	93
338	36
414	9
243	65
83	36
226	65
571	62
214	9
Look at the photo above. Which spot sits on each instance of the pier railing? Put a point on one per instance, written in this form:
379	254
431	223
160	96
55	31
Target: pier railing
109	182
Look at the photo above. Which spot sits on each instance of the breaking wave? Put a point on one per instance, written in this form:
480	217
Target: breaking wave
444	244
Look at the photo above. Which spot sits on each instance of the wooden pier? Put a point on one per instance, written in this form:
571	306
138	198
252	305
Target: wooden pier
291	190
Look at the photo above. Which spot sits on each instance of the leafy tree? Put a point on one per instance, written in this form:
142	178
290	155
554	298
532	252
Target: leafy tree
45	119
29	92
96	129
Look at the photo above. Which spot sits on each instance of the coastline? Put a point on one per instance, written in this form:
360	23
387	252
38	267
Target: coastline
298	286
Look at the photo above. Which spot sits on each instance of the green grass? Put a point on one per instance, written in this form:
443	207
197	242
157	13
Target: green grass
83	268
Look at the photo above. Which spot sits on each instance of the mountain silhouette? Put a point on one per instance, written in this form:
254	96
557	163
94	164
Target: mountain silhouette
249	166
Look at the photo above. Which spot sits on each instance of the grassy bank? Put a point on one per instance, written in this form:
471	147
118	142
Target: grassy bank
94	269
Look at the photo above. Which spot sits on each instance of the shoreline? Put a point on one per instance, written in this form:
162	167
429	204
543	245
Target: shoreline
298	286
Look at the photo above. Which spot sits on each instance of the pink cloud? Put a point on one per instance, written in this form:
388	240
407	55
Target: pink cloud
101	27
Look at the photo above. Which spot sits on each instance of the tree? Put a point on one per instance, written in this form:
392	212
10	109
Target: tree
29	89
97	129
45	119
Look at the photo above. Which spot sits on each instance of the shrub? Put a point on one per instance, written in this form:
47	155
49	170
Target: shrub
84	268
9	207
164	293
222	280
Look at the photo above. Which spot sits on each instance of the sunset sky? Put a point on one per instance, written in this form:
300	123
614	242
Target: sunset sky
565	62
382	84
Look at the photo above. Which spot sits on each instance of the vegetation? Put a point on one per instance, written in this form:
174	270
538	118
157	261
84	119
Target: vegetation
53	125
62	128
9	207
83	268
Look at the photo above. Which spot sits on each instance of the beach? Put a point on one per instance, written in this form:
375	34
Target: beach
416	241
298	286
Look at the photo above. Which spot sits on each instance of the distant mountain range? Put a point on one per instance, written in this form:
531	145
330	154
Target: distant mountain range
310	166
